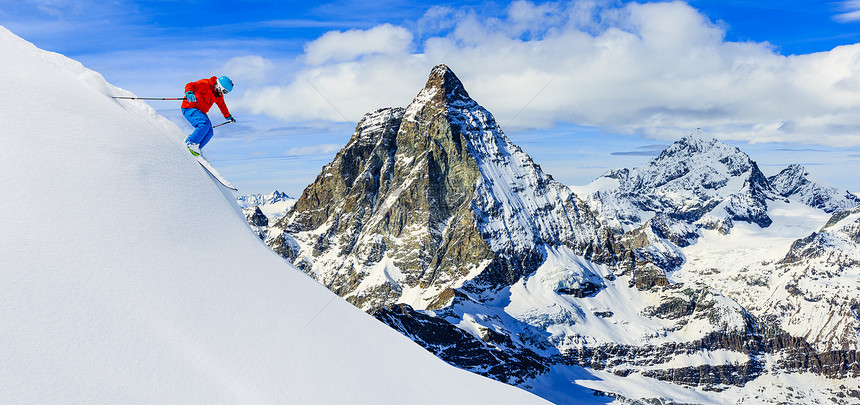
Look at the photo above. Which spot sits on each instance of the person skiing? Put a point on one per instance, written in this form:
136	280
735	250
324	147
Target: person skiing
199	97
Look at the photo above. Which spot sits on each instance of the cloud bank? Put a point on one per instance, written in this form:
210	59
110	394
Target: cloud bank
657	69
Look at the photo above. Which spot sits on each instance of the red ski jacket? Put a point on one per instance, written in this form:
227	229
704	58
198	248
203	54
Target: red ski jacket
204	90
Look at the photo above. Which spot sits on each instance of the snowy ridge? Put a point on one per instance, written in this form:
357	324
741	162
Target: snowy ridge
615	313
148	286
795	182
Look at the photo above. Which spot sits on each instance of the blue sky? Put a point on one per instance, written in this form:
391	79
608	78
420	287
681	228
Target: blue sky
582	86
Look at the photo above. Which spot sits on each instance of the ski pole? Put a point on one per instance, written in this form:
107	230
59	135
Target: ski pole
147	98
153	98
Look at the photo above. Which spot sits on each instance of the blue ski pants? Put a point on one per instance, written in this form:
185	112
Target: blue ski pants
202	126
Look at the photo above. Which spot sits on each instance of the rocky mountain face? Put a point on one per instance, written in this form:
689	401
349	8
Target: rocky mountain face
430	198
435	223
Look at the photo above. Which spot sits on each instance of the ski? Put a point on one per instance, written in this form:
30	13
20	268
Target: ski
214	173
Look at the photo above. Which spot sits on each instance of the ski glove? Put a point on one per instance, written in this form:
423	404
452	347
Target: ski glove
230	119
189	95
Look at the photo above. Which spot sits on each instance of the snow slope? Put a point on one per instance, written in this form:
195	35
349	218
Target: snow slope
129	276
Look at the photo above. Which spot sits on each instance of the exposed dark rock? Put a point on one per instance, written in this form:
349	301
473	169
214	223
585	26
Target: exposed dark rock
751	205
710	377
493	355
646	275
587	289
672	308
257	218
664	227
797	356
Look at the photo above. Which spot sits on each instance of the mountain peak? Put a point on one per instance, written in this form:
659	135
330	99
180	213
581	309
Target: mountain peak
443	81
697	141
689	179
697	149
442	90
431	192
795	168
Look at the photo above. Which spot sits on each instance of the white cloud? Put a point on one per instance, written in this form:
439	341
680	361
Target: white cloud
851	11
658	69
338	46
437	19
341	92
249	69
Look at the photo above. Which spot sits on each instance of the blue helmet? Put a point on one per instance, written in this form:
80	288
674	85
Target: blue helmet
224	84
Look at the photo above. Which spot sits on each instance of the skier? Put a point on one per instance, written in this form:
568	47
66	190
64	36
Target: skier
199	97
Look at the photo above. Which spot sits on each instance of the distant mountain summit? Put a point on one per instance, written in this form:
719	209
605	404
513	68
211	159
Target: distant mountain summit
261	210
695	180
250	200
795	182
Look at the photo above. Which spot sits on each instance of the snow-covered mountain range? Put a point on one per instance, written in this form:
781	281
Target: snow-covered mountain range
680	210
695	181
147	287
686	278
266	200
261	210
